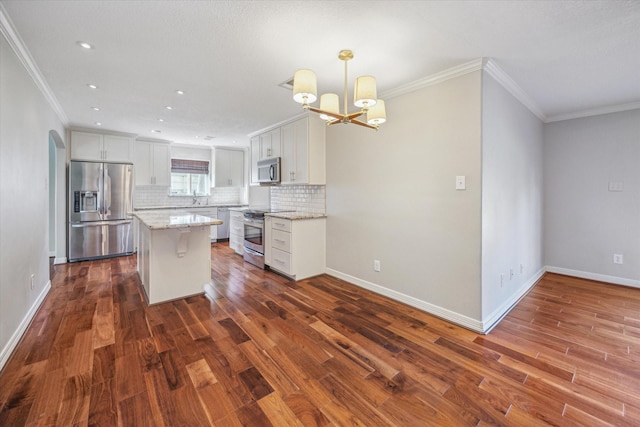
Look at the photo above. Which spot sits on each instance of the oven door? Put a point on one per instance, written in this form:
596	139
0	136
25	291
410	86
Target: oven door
254	234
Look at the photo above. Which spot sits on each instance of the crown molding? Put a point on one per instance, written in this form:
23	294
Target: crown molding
434	79
15	41
594	112
513	88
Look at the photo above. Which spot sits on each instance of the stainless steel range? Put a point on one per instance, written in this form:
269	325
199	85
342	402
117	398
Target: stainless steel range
254	235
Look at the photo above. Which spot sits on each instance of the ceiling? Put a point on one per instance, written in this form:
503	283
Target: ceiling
229	57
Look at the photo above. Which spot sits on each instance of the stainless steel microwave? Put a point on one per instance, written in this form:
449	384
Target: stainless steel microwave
269	171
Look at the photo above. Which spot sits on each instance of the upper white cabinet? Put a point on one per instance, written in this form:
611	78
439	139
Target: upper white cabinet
100	147
152	163
303	152
229	168
264	146
301	146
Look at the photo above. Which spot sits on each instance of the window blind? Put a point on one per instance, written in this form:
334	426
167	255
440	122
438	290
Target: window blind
189	166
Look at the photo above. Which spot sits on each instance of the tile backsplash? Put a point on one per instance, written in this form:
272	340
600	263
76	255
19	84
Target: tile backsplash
300	198
156	196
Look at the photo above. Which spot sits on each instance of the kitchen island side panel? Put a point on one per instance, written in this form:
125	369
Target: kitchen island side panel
176	262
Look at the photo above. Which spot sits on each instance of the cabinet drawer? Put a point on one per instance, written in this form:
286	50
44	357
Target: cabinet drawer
281	240
281	261
236	227
281	224
236	215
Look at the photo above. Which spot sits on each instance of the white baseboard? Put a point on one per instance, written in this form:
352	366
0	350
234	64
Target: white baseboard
494	318
17	335
594	276
448	315
61	260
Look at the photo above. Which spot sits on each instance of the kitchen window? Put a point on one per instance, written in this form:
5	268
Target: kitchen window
189	177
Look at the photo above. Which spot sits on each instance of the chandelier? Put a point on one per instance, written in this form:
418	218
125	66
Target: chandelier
364	97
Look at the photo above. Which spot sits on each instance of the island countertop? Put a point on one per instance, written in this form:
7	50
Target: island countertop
159	220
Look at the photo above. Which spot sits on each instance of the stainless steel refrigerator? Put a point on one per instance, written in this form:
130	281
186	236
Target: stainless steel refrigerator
100	198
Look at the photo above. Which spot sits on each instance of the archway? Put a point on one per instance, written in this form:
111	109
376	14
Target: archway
57	198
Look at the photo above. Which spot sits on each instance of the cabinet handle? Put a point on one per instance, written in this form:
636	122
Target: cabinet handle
279	224
279	241
279	262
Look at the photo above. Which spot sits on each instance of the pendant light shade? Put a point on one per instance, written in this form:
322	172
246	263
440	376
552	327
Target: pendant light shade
304	87
377	114
329	102
364	93
364	96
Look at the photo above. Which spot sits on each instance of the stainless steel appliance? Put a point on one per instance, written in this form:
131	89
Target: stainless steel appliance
99	203
254	237
269	171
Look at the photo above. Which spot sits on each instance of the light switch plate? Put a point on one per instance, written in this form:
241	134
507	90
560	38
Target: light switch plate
460	183
616	186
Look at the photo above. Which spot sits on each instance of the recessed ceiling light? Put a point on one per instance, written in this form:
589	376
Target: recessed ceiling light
85	45
180	92
156	131
98	124
95	108
169	107
90	86
161	120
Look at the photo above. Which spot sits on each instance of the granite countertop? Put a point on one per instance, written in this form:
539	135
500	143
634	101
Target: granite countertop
186	208
162	220
296	215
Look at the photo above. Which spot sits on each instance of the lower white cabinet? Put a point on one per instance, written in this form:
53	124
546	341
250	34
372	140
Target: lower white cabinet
236	231
295	248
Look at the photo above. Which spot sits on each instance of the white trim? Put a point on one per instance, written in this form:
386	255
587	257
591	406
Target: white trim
594	112
60	260
513	88
6	352
498	314
438	311
434	79
594	276
15	41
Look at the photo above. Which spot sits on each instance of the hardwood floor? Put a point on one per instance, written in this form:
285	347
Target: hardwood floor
267	351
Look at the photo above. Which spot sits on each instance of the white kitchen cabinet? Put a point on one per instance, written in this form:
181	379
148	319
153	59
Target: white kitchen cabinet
295	248
236	231
229	168
100	147
264	146
303	152
152	163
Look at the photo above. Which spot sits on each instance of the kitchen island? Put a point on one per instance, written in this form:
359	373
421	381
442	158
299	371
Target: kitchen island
174	253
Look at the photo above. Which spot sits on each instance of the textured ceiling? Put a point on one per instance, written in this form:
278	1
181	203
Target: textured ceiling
230	56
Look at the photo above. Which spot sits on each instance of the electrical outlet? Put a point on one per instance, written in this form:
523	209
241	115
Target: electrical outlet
501	279
33	276
521	269
511	273
376	265
618	259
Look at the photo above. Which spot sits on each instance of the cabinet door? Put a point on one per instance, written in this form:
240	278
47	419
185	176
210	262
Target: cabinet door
222	167
142	163
117	148
288	158
270	144
295	141
86	146
254	156
161	164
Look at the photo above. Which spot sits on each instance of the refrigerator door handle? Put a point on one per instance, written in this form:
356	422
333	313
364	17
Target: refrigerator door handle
100	223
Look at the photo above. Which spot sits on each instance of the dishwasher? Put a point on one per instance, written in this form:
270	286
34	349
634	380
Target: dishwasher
223	229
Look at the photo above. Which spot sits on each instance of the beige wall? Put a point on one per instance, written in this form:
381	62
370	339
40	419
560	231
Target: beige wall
391	196
25	121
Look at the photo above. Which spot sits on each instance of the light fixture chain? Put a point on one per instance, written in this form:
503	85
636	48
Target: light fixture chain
345	86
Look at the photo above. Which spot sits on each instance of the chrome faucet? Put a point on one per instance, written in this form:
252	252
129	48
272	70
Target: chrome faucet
195	199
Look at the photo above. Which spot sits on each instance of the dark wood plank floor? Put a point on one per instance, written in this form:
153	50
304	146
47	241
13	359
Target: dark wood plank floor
267	351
